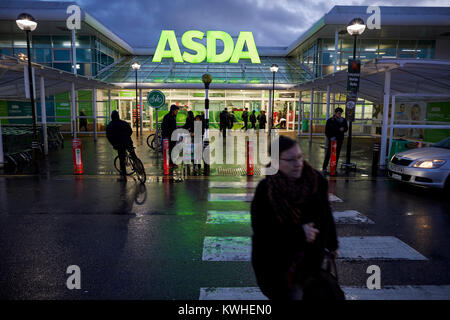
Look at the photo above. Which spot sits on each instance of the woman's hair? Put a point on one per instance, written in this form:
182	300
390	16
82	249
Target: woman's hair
115	115
199	117
284	144
190	114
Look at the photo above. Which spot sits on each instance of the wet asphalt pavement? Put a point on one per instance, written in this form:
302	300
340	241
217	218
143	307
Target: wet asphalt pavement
134	241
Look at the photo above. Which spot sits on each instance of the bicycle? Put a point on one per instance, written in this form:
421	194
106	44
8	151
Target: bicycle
154	142
132	165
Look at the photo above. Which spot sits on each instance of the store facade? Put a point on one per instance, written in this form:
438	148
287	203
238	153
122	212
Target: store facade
239	81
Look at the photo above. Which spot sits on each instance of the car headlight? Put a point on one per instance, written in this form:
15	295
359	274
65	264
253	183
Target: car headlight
429	164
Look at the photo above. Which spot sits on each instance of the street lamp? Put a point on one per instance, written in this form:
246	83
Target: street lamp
273	69
136	66
355	28
206	79
27	23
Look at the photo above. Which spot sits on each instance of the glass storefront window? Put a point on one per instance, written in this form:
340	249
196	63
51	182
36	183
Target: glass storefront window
61	55
42	41
407	49
63	66
42	55
388	49
425	49
83	55
62	41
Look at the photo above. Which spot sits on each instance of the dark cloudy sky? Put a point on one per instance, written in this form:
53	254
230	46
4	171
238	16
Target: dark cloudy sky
273	22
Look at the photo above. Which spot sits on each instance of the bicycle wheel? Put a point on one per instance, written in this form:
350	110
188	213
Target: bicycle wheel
156	143
128	167
139	169
150	139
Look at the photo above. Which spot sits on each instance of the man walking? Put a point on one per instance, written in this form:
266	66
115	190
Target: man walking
253	120
224	119
245	118
119	134
262	120
168	126
334	130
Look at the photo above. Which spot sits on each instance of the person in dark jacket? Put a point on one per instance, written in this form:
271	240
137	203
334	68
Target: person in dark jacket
262	120
118	133
231	120
189	124
224	120
168	126
253	120
335	128
83	121
292	225
245	119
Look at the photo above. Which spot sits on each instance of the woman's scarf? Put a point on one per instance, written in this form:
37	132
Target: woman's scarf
287	195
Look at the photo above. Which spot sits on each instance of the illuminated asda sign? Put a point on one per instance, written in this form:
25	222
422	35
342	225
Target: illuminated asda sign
232	53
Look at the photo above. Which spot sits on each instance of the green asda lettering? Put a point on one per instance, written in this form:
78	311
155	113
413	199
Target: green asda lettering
230	52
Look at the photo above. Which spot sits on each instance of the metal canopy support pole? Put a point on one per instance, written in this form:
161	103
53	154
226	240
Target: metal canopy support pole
269	116
141	107
336	42
299	128
74	53
387	93
109	107
287	115
391	134
94	110
311	110
2	157
327	114
44	116
73	110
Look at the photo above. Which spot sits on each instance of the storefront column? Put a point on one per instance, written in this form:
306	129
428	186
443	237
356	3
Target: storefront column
311	111
299	128
94	111
387	94
2	157
44	116
328	102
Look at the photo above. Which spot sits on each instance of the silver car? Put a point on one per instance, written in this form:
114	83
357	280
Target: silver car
423	166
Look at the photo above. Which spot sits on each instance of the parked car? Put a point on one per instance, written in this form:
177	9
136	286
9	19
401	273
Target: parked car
423	166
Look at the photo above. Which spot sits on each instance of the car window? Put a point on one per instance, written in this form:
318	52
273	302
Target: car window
443	143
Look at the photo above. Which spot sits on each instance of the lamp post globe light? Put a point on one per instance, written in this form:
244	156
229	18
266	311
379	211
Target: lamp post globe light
206	79
27	23
136	66
355	28
273	69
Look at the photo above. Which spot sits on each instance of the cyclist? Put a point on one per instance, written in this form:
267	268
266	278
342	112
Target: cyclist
119	134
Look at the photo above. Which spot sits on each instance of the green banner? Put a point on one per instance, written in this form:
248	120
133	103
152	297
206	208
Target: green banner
439	112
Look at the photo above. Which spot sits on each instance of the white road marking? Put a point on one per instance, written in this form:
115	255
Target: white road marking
340	217
350	248
223	217
351	293
248	197
233	184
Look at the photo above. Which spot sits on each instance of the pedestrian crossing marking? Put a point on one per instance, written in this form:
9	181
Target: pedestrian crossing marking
350	248
233	184
414	292
223	217
248	197
340	217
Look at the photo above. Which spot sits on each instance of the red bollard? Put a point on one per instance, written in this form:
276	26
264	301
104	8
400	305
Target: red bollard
166	156
77	156
333	158
249	158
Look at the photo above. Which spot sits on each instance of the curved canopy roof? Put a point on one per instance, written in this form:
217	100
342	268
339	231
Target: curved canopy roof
167	74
